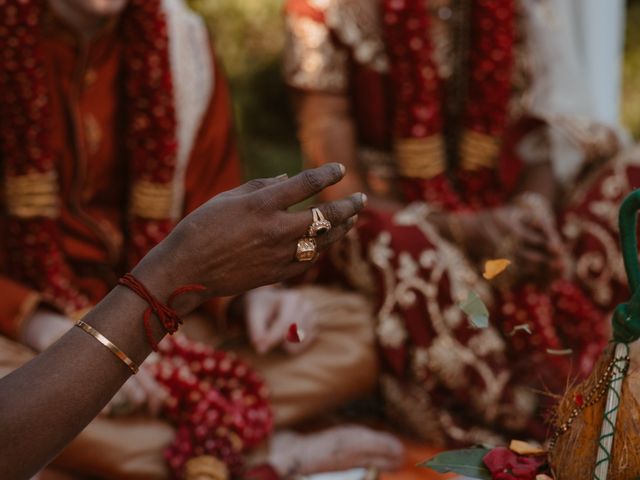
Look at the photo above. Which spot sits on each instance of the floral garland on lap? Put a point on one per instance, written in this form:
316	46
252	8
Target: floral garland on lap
219	405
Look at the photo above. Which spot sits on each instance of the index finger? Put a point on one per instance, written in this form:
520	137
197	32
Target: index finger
284	194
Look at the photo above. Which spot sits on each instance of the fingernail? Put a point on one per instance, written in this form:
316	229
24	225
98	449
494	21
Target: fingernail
342	168
282	177
365	199
354	219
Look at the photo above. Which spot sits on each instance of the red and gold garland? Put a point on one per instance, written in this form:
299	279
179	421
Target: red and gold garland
421	96
35	255
217	402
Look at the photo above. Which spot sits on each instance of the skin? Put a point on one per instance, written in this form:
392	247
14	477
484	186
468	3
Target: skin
48	401
87	17
327	131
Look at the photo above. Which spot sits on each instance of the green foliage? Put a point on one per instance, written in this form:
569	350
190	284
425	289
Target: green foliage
249	37
467	462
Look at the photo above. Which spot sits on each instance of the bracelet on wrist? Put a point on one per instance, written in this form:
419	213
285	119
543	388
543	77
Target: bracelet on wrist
168	317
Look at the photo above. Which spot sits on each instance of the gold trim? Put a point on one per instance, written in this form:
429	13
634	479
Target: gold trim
32	195
420	157
110	346
478	151
151	200
312	60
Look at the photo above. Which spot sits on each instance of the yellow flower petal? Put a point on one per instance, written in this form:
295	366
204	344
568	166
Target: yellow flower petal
524	448
493	268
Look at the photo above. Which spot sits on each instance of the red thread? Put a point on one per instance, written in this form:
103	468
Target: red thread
169	318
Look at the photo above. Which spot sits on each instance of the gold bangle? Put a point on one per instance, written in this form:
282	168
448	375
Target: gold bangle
107	343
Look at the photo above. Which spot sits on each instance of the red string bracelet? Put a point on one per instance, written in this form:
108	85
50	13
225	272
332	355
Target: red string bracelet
168	317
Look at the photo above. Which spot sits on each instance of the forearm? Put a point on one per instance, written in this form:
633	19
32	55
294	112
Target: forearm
328	134
48	401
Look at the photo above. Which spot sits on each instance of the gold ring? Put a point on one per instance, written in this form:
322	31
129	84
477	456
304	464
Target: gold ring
306	250
320	225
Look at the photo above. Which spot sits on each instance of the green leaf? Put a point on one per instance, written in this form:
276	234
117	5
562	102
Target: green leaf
466	462
479	321
476	310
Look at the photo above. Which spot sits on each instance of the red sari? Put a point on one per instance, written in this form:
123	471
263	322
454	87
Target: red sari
396	61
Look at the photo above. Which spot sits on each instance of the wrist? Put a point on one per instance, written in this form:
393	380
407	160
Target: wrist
161	274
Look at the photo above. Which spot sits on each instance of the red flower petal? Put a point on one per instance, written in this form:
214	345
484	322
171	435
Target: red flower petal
499	459
294	335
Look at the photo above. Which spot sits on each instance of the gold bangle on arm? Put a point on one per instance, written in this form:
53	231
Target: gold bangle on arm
110	346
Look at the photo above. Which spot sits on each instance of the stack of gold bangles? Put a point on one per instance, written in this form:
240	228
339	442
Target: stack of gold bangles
307	247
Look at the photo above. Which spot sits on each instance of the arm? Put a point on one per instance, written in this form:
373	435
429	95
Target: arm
44	404
327	134
317	69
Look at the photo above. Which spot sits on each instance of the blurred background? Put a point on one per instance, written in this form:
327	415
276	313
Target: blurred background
249	40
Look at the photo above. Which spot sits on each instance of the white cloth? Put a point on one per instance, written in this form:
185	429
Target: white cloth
599	27
193	85
576	56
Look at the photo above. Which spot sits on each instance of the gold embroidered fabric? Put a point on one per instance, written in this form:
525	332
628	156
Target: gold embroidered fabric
312	61
420	157
151	200
32	195
601	266
358	25
414	278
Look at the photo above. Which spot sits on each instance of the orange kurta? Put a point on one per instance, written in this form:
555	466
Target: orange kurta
85	84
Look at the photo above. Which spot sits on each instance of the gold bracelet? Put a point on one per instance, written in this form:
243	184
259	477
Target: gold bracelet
107	343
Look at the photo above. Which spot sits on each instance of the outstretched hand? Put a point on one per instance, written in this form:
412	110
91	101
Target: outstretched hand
246	237
515	232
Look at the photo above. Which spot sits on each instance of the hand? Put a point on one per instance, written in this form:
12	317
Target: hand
516	233
270	311
139	393
43	328
245	238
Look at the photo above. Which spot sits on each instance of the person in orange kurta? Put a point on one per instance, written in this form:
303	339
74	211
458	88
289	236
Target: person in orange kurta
115	122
